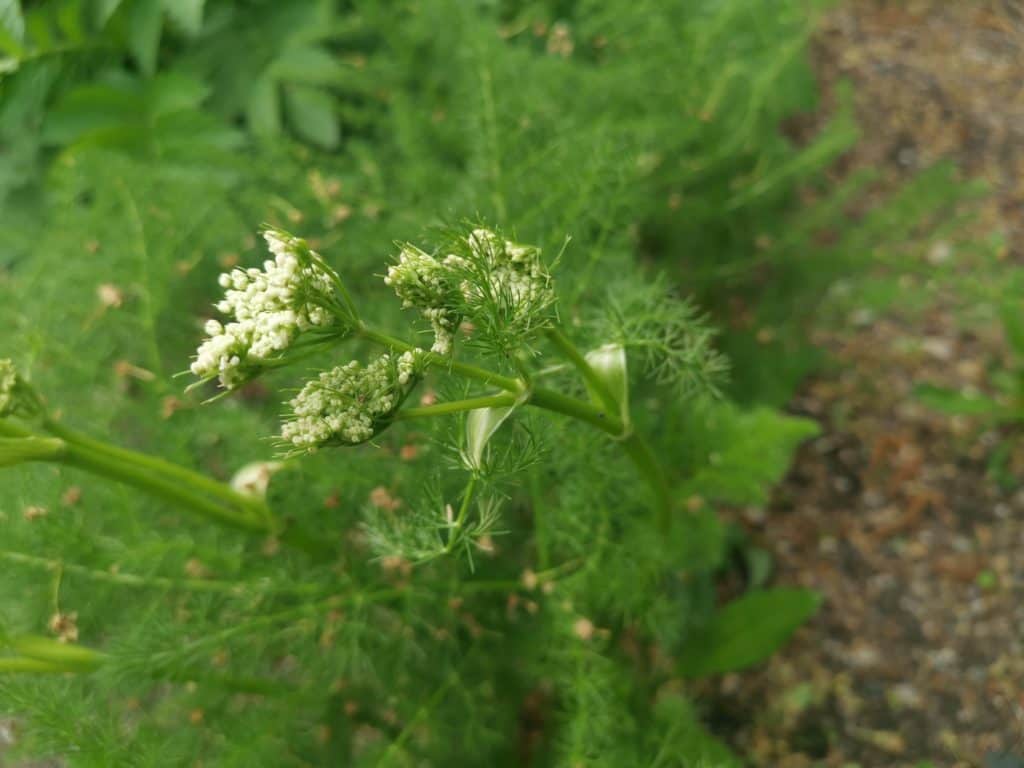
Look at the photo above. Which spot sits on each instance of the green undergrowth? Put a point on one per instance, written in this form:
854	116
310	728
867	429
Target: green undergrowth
142	144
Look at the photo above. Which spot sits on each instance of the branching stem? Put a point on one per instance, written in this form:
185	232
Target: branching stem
603	418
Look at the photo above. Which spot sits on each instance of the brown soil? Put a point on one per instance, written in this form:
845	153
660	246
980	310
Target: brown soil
916	658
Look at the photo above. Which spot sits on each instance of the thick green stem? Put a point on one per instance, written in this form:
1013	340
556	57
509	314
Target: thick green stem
173	483
456	406
647	464
170	489
246	504
68	657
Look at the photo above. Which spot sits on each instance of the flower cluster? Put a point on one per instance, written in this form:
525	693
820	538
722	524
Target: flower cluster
424	282
489	275
269	308
349	404
509	274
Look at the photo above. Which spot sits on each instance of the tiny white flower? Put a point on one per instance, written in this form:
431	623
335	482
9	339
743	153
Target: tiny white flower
350	403
268	308
421	281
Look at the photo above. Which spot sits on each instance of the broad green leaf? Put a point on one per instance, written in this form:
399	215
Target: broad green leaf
311	115
747	631
481	424
609	363
173	92
263	108
187	14
90	108
955	403
311	65
145	26
745	452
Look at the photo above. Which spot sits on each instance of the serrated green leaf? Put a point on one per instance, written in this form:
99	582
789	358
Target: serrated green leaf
310	112
311	65
187	14
90	108
747	631
747	452
953	403
263	108
145	26
174	92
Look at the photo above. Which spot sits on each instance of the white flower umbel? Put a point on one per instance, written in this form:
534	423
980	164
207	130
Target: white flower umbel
267	309
423	282
350	404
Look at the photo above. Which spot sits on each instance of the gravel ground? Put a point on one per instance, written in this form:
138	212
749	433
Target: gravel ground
916	659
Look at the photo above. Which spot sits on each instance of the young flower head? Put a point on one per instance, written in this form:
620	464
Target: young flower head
268	309
350	404
493	282
424	282
509	274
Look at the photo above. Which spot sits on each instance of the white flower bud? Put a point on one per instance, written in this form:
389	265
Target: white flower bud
269	309
421	281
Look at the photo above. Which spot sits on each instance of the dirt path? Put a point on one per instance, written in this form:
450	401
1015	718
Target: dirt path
917	658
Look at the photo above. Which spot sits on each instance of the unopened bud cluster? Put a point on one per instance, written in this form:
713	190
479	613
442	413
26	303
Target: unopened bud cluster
348	404
491	273
510	274
268	308
424	282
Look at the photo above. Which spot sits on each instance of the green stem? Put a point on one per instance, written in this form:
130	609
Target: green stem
20	664
647	464
70	658
604	419
598	385
456	406
467	498
169	489
439	361
159	466
174	483
153	582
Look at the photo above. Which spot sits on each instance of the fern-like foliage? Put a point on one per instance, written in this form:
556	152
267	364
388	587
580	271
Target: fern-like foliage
142	142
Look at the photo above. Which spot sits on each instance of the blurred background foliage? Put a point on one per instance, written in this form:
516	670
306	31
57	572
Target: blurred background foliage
142	142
